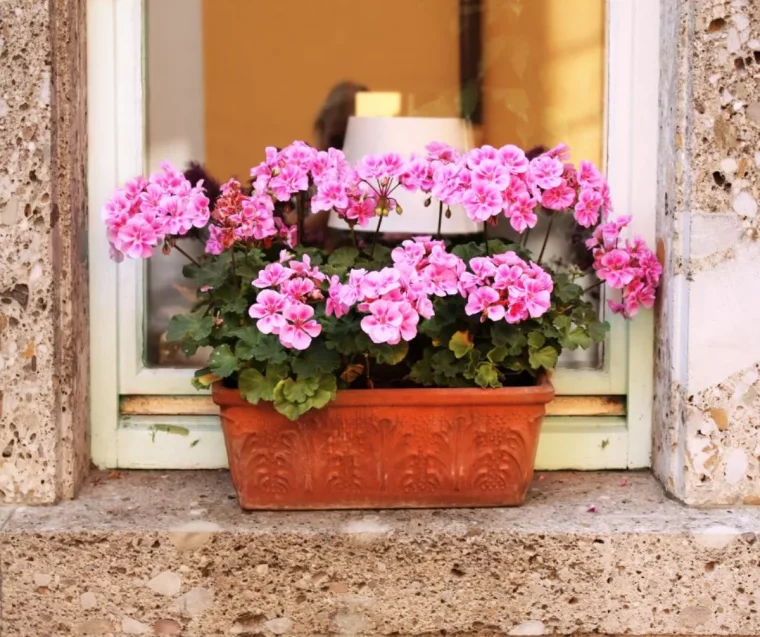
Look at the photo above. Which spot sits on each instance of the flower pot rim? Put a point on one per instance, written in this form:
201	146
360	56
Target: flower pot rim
540	393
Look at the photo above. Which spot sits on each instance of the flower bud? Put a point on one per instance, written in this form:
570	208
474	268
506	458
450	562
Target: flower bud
428	201
399	210
379	211
447	214
166	250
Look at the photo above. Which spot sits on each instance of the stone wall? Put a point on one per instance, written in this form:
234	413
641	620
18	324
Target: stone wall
707	411
43	251
707	426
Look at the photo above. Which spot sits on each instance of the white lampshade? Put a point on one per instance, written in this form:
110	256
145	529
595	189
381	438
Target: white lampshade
407	135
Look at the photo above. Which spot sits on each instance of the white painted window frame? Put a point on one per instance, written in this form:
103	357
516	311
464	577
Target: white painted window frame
117	152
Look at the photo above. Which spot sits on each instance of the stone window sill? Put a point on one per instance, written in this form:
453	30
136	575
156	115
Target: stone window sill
588	553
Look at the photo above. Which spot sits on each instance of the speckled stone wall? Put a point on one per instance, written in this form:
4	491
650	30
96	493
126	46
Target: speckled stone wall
43	250
707	415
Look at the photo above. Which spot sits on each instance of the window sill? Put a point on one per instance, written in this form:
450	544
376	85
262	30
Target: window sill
551	566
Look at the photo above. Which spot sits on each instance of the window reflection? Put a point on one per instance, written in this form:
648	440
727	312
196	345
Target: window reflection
226	78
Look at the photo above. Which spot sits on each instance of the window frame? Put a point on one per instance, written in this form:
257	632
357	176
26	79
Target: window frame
582	439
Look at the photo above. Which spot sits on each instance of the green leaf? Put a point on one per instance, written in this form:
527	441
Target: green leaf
254	386
170	429
545	358
536	340
222	361
194	327
562	323
598	331
497	354
505	335
487	376
467	251
316	360
298	391
268	349
327	389
461	343
445	363
315	254
422	371
295	398
565	290
249	266
213	271
388	354
286	407
343	258
580	338
203	378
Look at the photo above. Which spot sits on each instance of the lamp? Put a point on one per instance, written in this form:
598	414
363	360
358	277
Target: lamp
407	135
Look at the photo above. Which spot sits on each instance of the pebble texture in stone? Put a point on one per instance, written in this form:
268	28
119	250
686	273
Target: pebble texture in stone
43	241
707	411
642	564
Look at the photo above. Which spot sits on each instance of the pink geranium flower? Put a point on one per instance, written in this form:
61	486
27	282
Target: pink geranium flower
291	179
532	293
136	239
521	213
559	198
589	176
615	268
268	310
485	301
301	328
492	172
329	195
482	201
273	275
478	155
441	152
383	324
546	171
588	206
514	159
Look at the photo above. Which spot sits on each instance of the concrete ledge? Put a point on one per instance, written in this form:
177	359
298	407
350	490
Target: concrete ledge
152	553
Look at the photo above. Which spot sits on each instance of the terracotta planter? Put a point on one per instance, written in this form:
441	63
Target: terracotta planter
387	448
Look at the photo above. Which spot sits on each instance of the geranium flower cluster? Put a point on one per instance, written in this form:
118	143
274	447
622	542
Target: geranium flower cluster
488	182
395	298
629	266
237	217
337	186
282	307
144	212
506	287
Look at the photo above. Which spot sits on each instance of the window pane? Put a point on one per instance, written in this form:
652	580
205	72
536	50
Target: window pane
226	78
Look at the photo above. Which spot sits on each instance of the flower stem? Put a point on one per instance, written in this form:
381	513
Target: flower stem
370	384
377	234
353	237
301	212
186	255
485	237
546	239
591	287
440	219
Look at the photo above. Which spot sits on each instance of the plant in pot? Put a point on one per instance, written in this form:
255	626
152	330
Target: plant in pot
375	375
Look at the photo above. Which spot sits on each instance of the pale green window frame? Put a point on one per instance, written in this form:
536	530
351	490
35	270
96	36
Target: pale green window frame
132	427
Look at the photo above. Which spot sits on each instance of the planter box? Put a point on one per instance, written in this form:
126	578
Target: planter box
387	448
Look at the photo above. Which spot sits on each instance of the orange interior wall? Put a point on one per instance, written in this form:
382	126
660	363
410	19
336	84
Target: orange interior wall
544	66
269	66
